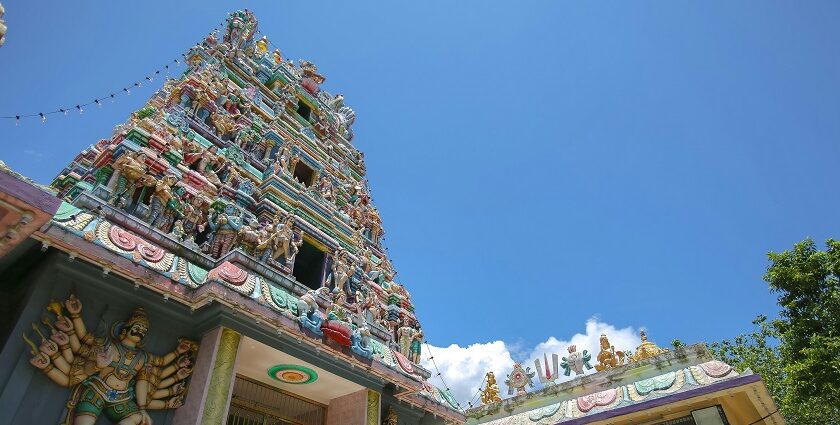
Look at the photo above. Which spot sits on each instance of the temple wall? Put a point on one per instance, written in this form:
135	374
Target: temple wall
27	396
348	410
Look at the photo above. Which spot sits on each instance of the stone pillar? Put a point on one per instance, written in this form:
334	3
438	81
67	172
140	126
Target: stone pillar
212	381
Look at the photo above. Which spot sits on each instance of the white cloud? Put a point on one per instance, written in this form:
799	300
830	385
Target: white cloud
463	368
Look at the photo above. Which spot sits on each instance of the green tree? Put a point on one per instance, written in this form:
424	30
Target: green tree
798	355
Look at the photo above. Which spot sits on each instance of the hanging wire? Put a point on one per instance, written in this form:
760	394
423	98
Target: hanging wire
112	96
477	392
440	375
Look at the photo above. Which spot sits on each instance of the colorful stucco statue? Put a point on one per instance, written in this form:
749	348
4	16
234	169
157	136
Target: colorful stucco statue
226	226
416	348
490	393
129	174
576	361
646	349
405	335
309	315
113	375
519	378
608	357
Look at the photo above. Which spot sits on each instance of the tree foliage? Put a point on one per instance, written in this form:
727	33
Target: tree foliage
798	355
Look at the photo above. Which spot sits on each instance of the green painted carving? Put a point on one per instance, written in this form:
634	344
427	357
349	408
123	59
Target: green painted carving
65	212
197	274
660	382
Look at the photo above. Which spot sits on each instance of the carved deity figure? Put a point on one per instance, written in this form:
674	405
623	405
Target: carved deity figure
405	334
131	168
490	393
647	349
416	345
340	269
576	361
309	315
113	375
225	226
161	199
608	357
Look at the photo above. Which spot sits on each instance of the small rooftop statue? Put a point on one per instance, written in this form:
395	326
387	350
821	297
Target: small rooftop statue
608	357
519	378
490	394
576	361
646	349
550	375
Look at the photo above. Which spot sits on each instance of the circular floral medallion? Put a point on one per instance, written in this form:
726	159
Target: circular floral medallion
293	374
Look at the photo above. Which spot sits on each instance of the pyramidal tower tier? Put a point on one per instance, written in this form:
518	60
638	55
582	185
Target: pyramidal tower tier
242	172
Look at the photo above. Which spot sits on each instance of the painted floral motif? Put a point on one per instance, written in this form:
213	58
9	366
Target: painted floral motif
716	369
602	398
660	382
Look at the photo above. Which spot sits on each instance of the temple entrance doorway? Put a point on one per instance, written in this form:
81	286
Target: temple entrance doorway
275	388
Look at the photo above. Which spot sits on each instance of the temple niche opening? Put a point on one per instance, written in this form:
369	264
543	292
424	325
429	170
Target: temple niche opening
310	265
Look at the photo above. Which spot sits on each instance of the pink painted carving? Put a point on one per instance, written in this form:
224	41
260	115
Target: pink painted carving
229	273
122	239
603	398
716	369
150	253
403	362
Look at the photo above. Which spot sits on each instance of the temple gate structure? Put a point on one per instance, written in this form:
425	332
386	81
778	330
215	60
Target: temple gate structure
219	260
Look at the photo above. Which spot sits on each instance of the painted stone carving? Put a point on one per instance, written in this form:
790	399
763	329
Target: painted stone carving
111	376
226	226
599	399
490	393
519	378
308	314
576	361
550	375
360	343
608	357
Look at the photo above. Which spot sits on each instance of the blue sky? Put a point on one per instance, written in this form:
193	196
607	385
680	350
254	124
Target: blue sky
535	163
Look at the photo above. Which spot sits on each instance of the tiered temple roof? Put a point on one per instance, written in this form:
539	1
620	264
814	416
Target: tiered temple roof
238	183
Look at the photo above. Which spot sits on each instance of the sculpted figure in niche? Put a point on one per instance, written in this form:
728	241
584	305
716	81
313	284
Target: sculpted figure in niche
160	198
416	344
340	269
405	335
225	226
111	376
132	168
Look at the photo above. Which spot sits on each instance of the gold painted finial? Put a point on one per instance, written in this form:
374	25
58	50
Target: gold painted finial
646	349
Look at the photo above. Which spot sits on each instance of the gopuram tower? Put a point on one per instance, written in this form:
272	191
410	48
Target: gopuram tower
217	260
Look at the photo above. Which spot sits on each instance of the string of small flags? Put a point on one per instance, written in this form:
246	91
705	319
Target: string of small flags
98	101
440	375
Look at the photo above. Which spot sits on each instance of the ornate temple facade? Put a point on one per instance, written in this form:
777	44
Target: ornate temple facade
217	260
